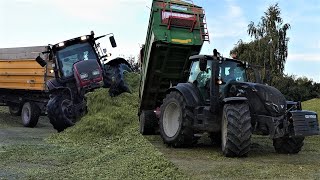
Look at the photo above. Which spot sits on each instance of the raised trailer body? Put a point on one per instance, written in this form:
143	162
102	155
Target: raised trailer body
23	82
176	30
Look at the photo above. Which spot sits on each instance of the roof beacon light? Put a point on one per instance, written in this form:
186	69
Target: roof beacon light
61	44
83	38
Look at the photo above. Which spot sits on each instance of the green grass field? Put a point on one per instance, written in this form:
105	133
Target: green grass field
106	144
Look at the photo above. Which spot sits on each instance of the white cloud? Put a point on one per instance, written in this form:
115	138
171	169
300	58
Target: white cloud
304	57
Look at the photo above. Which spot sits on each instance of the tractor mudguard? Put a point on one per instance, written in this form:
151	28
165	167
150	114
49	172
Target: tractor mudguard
117	61
190	93
53	84
234	99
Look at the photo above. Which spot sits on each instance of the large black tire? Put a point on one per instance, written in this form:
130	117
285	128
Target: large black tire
148	122
15	109
30	114
175	121
118	84
288	145
236	130
59	112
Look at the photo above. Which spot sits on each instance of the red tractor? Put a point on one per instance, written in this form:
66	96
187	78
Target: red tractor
78	68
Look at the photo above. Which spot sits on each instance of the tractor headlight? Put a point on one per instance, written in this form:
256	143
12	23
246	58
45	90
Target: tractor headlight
83	75
51	71
96	72
61	44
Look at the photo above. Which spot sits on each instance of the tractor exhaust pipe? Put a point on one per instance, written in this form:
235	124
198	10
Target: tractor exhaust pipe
214	87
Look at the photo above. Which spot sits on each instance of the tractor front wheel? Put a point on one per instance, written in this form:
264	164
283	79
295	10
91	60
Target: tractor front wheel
60	112
236	130
175	121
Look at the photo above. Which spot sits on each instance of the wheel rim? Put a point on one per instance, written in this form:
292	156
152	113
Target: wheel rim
171	119
224	131
26	115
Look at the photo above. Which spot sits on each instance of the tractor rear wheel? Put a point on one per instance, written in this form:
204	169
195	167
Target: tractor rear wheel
236	130
117	81
15	109
288	145
60	113
30	114
175	121
148	122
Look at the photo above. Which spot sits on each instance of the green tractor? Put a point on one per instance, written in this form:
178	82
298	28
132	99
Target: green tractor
219	100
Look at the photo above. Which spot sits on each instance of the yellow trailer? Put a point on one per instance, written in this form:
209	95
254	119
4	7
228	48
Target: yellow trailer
24	74
23	82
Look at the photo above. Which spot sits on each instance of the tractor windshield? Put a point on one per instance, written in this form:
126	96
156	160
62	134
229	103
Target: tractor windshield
72	54
228	70
232	70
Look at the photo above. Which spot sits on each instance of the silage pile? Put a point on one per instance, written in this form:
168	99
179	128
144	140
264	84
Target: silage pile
110	143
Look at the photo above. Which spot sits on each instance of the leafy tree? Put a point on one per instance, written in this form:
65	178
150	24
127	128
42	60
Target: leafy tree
269	47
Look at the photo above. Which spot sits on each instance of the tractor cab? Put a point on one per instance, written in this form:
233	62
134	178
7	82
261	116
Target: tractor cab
228	70
69	53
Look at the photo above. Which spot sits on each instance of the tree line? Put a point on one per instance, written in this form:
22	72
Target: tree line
269	51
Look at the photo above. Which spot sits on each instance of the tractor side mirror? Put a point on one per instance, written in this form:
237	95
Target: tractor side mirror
113	41
40	61
203	64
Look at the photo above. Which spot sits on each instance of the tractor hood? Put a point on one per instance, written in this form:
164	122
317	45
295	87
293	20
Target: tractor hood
263	99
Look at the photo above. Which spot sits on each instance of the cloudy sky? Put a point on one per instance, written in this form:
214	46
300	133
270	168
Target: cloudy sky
41	22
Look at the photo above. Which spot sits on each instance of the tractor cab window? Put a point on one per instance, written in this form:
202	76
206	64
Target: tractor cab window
72	54
231	70
199	76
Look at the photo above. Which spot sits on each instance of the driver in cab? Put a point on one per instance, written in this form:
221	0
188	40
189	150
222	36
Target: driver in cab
231	75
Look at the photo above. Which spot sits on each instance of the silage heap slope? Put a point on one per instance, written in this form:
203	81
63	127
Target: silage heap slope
110	136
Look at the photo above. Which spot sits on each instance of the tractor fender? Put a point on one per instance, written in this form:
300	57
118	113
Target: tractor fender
234	99
117	61
190	93
54	86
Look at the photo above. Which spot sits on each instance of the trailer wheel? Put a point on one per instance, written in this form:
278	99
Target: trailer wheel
59	112
148	122
15	109
30	114
175	121
236	130
288	145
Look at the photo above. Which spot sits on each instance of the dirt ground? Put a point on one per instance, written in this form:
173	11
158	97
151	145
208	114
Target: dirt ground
13	134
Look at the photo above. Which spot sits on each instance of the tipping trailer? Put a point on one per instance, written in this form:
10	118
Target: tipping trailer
22	83
177	30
